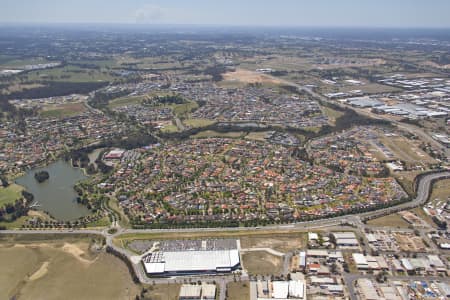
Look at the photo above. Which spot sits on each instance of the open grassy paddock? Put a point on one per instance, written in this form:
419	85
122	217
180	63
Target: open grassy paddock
63	269
441	191
63	110
211	134
10	194
195	123
406	150
262	263
238	290
162	292
393	220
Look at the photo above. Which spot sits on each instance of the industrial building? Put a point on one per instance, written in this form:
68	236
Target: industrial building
284	290
197	292
345	239
191	261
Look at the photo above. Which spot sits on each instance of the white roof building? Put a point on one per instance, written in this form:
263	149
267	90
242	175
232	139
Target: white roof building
360	261
280	289
191	261
297	289
190	292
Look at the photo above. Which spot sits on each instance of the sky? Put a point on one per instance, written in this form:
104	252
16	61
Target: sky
296	13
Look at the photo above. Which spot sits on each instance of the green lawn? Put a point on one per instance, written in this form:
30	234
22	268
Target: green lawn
211	134
10	194
169	129
69	74
184	109
125	101
195	123
11	62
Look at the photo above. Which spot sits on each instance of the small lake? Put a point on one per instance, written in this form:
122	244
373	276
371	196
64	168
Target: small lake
56	195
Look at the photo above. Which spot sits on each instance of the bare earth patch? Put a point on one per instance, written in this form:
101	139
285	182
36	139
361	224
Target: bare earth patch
246	76
41	272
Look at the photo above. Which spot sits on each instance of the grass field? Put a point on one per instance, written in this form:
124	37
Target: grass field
332	114
125	101
163	292
441	190
371	88
63	110
183	110
10	194
195	123
69	74
238	290
19	87
407	180
60	270
11	62
170	128
405	150
211	133
257	136
393	220
262	263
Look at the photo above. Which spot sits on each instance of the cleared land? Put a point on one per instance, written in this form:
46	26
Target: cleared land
246	76
59	270
262	263
238	290
393	220
281	243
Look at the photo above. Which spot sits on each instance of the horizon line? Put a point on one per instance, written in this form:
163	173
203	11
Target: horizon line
131	24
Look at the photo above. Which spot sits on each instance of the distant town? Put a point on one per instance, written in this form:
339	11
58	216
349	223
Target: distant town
237	165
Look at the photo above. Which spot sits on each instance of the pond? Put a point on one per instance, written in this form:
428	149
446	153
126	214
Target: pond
56	195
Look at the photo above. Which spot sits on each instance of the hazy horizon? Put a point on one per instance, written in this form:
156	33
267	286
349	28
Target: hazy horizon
400	14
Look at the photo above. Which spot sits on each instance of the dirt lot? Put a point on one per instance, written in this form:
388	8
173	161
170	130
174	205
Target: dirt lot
238	291
410	243
246	76
262	263
281	243
62	270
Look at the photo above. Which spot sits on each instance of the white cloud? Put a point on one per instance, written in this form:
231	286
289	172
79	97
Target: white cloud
149	13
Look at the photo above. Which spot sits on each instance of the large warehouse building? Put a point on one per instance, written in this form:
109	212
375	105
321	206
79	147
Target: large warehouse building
191	262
